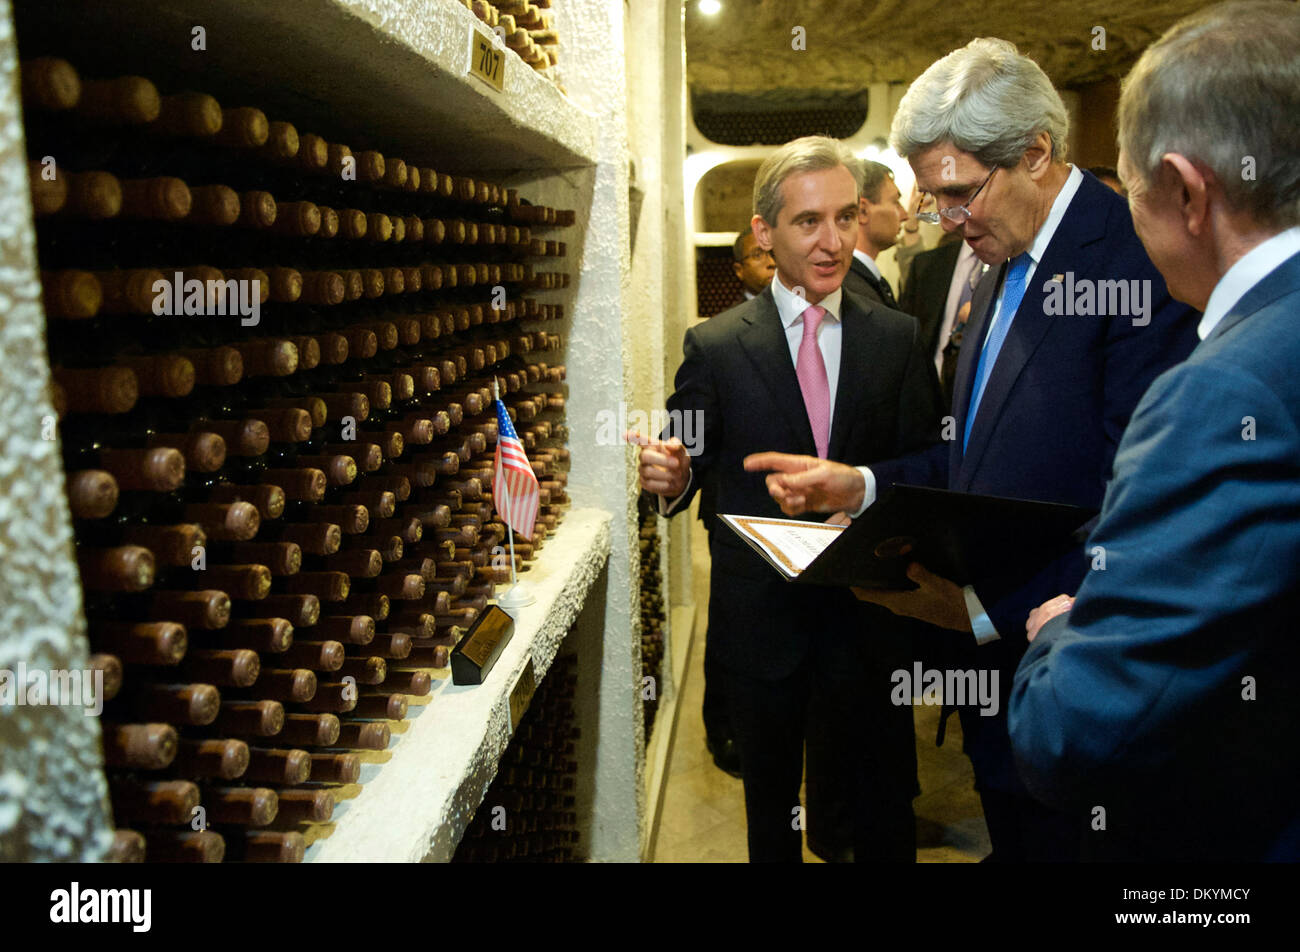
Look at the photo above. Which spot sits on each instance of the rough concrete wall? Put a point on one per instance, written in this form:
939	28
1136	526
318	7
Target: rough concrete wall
679	270
850	43
651	296
601	347
728	194
53	799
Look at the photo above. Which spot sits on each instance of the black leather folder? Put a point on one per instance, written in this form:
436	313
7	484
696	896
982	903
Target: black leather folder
963	537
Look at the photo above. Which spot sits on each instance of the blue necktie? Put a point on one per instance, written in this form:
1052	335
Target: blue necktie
1013	292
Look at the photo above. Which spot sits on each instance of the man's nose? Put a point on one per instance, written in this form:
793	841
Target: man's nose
831	239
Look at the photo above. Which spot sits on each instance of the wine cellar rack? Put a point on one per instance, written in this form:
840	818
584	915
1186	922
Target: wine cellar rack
529	813
316	629
383	78
653	619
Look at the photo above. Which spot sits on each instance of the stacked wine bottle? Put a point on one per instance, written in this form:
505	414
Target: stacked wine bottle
529	812
652	618
274	363
523	27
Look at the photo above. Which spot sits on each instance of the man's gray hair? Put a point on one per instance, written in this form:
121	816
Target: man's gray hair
874	175
1222	88
808	154
986	99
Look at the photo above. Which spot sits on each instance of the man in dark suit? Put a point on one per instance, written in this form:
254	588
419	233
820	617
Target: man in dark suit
880	216
938	296
1158	708
1043	389
808	368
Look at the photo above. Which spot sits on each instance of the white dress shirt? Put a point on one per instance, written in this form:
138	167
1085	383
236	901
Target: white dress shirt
1251	268
790	308
981	625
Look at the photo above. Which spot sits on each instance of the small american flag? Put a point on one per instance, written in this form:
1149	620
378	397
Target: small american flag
514	486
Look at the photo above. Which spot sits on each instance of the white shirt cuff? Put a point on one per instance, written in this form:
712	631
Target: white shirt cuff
666	507
868	490
979	618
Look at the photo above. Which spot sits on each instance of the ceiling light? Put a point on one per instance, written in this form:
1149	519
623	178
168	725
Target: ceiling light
709	7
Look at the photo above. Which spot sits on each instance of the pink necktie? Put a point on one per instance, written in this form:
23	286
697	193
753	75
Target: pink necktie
811	371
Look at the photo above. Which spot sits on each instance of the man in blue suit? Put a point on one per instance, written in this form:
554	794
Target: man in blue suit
1052	365
1159	704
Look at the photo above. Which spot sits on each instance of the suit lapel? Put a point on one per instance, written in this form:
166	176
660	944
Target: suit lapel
862	271
1283	279
977	327
861	338
764	342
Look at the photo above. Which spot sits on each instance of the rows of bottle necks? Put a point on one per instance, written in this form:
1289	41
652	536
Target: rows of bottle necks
381	564
652	619
523	27
382	549
124	179
529	812
320	471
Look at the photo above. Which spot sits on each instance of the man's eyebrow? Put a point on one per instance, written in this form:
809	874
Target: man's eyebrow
959	188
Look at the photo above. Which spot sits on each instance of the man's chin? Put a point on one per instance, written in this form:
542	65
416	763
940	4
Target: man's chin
817	286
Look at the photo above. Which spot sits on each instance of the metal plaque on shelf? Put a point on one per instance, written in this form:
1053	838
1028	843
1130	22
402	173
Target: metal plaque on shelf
487	59
521	695
478	650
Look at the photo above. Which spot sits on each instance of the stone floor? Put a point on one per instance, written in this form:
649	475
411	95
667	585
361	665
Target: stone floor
703	817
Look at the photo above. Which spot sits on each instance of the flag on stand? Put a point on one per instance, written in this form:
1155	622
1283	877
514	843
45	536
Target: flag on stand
514	485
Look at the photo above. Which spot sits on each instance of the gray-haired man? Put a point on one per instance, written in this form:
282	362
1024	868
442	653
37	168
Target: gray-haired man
1160	708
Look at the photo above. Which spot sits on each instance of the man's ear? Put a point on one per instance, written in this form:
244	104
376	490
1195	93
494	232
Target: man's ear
1038	157
864	210
761	232
1189	185
737	268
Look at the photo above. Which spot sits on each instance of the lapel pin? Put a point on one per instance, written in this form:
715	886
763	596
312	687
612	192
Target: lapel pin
1058	278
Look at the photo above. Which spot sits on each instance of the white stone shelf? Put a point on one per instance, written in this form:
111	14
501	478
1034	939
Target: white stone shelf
386	74
417	803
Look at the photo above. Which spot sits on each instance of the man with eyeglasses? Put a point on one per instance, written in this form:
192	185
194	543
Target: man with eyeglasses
1043	390
753	266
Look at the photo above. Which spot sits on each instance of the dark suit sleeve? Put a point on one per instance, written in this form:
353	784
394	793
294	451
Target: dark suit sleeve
925	467
1201	536
694	405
